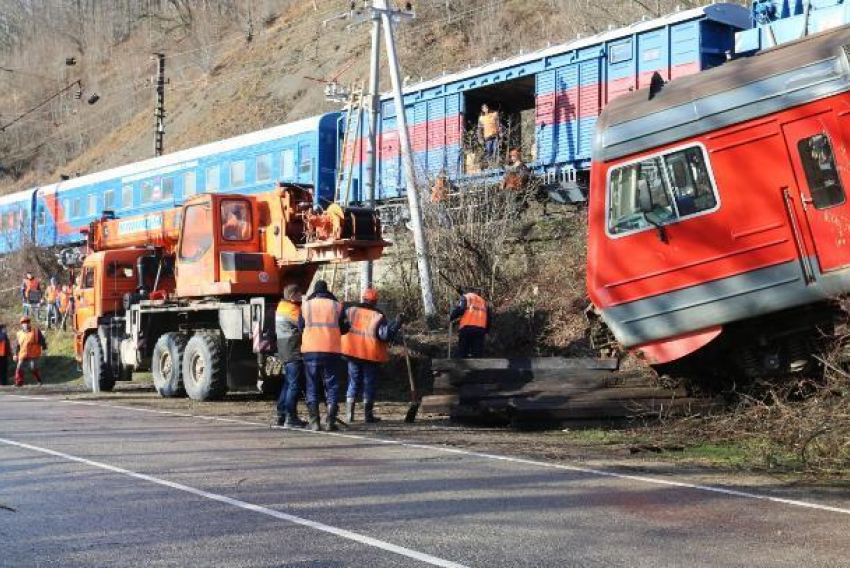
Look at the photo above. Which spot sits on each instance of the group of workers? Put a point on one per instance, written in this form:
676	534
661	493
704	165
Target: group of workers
315	336
56	301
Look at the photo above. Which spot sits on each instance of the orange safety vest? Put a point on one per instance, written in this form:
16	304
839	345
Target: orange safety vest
32	284
29	343
64	301
476	312
288	310
489	123
361	341
50	294
3	348
321	326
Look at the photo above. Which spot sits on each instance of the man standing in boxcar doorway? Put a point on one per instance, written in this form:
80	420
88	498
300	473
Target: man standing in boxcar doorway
489	128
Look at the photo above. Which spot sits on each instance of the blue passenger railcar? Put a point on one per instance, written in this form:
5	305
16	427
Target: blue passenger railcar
15	219
775	22
549	100
300	152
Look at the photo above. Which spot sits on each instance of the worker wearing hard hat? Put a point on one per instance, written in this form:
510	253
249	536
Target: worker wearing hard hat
365	348
474	318
289	353
29	345
323	323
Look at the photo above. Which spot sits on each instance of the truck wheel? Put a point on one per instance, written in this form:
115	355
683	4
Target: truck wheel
167	365
94	365
203	368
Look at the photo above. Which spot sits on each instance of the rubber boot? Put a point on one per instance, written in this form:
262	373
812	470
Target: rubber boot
369	412
332	411
349	410
37	376
315	421
292	421
19	379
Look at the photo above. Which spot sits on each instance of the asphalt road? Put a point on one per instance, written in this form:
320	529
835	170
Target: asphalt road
87	484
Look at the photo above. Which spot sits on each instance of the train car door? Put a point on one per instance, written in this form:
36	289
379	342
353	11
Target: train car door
818	153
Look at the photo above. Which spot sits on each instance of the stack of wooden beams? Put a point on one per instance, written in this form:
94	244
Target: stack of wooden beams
552	390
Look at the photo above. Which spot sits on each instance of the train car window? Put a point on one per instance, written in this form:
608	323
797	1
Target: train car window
167	188
287	165
190	184
92	208
213	179
127	196
306	161
75	208
620	52
147	191
197	238
678	184
235	220
42	216
237	173
625	186
108	200
66	209
690	182
116	270
821	173
264	167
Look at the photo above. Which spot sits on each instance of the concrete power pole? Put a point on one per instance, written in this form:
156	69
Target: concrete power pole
159	113
371	173
419	241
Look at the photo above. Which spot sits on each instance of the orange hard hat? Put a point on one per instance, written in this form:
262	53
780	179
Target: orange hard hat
370	295
25	319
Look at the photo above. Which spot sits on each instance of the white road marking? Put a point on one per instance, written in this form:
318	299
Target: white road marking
471	453
356	537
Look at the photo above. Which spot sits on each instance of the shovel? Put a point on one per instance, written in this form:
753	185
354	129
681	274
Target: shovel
413	409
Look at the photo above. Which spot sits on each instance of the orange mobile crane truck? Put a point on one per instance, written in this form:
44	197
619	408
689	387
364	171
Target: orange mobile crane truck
189	293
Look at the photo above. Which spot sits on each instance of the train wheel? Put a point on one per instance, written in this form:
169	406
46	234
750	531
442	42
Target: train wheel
204	377
167	365
94	366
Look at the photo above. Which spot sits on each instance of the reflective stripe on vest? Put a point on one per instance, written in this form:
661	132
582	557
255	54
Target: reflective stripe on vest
476	312
29	346
361	341
321	326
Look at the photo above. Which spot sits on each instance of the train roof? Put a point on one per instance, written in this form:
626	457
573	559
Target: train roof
726	13
772	80
172	162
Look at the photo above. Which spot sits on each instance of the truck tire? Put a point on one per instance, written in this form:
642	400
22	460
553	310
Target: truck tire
167	365
94	365
204	377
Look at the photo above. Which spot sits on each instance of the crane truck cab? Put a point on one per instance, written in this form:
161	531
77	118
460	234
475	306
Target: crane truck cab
189	293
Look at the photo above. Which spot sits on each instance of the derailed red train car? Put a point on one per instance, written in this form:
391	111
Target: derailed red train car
719	217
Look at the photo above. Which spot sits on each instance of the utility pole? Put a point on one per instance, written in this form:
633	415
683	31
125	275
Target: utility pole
159	113
371	173
381	10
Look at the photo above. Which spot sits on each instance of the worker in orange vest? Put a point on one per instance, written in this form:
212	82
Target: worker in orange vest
29	345
63	301
51	295
322	323
474	318
31	294
365	348
289	352
5	353
489	130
